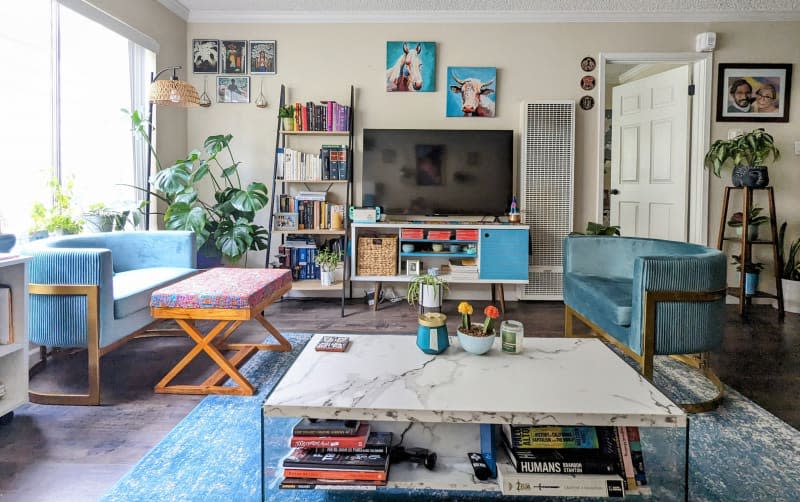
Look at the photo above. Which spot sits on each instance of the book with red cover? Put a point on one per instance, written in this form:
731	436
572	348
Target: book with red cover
356	441
335	474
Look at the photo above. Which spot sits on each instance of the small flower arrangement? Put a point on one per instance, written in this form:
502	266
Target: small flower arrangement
465	309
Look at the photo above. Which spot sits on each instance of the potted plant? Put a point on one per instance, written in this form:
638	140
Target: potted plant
327	260
99	218
752	273
593	228
753	222
286	113
790	273
59	219
224	226
476	338
427	290
748	153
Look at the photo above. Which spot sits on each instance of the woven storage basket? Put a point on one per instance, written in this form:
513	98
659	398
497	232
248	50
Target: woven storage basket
377	255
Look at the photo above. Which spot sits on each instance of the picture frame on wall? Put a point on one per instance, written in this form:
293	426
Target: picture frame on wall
205	56
262	54
472	91
753	92
410	66
233	89
234	56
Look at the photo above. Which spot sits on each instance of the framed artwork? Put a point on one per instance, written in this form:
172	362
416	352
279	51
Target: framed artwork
588	63
587	83
262	57
410	66
412	267
472	91
233	89
285	221
752	92
205	56
587	103
234	56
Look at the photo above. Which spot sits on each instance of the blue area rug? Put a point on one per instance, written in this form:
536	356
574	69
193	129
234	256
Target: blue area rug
740	452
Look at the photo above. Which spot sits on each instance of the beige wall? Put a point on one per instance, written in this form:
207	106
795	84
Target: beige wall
534	61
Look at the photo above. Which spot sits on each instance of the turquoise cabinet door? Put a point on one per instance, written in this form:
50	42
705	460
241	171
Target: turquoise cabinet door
504	254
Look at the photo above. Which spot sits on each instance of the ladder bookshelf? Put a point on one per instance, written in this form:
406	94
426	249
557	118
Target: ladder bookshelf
289	183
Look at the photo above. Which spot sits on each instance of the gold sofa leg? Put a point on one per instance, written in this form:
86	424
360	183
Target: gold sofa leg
91	292
701	362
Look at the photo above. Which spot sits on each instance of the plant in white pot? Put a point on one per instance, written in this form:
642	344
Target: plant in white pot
427	291
790	274
327	260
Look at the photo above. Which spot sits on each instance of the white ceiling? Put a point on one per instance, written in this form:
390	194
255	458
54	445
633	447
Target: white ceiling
482	11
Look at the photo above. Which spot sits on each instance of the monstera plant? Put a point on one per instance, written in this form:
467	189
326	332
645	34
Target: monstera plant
227	222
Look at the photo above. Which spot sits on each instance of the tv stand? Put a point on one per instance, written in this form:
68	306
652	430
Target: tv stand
500	250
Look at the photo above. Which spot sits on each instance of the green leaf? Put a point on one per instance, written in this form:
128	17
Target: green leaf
252	199
182	216
200	172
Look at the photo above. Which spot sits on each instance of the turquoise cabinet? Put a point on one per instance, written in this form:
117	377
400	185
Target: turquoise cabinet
504	254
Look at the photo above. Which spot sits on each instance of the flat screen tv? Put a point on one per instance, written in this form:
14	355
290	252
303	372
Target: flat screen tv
438	172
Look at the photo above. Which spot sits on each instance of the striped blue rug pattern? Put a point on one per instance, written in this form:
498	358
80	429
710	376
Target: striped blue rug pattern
740	452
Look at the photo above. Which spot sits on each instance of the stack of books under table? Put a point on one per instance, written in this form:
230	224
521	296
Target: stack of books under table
572	461
331	454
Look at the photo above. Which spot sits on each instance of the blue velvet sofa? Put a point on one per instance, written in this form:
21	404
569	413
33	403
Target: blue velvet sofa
93	291
648	297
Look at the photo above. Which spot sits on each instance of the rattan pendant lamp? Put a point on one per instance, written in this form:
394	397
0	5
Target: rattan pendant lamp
172	92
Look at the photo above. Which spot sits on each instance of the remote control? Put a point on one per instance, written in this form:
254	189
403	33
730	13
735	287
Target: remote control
479	466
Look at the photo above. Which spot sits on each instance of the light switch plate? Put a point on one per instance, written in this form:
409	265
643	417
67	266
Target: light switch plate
797	147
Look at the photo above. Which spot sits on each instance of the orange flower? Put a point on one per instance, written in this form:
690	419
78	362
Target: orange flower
491	314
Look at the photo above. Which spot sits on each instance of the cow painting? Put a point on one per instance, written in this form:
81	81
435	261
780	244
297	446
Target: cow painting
472	92
410	66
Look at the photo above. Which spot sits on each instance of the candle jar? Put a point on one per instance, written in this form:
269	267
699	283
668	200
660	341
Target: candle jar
511	335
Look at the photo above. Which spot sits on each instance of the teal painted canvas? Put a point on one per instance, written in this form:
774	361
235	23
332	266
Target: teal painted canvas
471	91
410	66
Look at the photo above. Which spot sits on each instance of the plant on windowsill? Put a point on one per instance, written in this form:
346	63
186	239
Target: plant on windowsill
59	219
747	153
427	290
756	219
327	260
225	225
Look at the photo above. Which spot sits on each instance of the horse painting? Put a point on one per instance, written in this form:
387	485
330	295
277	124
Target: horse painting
407	71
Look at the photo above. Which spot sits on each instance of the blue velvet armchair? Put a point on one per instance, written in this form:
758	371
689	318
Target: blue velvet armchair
648	297
93	291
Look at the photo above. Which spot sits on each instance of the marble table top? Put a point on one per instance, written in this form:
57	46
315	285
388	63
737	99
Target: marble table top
554	381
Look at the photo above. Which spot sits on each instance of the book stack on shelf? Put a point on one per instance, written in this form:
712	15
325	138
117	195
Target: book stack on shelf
572	461
332	454
465	269
329	165
325	116
313	211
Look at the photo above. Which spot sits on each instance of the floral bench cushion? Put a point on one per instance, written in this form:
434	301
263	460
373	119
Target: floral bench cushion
223	288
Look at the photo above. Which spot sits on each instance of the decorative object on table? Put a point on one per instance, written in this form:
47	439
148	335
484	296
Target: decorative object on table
286	114
233	89
427	291
205	99
234	56
588	64
205	56
513	212
587	103
472	91
262	57
587	82
476	338
748	153
432	335
753	92
755	220
410	66
327	260
330	343
790	275
261	100
512	334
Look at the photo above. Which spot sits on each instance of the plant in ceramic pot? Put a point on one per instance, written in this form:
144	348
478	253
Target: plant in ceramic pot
427	291
286	114
752	271
327	260
747	153
753	222
790	273
60	218
476	338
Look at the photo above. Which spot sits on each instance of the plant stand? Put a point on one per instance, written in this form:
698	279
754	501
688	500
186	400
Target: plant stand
746	245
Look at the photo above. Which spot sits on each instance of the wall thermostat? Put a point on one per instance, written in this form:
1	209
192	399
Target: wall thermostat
705	42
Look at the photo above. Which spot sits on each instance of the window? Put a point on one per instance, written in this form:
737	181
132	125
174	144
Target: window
66	113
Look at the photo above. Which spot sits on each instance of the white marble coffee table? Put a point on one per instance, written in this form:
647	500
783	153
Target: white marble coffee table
387	380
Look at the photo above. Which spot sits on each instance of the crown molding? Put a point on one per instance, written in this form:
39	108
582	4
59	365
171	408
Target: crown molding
177	8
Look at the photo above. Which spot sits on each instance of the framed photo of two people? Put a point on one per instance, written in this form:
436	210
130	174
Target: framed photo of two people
752	92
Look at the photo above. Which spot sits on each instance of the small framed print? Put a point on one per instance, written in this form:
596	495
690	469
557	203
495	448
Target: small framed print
262	57
205	56
587	83
587	103
234	56
285	221
753	92
588	64
233	89
412	267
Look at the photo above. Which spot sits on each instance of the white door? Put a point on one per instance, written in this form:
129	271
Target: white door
650	156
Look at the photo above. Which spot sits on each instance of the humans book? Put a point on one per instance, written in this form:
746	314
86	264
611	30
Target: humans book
573	485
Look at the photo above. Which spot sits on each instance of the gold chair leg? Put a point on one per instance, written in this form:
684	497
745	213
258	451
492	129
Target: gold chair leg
701	362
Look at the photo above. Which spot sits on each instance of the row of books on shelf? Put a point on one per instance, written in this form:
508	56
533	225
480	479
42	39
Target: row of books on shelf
299	253
332	454
325	116
313	214
572	460
330	164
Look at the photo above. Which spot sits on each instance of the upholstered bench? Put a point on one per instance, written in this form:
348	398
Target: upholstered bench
648	297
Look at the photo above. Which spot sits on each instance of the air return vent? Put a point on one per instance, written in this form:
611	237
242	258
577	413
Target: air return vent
547	156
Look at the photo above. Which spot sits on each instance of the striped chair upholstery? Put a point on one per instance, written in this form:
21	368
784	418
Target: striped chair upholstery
648	297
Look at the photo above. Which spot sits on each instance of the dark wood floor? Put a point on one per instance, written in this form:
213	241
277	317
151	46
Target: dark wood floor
76	453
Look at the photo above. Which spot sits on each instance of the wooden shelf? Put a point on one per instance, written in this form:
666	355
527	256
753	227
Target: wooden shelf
320	182
315	285
316	133
311	232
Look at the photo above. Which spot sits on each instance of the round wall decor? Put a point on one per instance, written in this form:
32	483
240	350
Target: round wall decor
588	64
587	102
587	83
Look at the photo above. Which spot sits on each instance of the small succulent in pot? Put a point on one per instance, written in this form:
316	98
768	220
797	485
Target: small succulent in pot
492	314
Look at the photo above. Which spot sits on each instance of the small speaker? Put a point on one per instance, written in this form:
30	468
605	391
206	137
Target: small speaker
705	42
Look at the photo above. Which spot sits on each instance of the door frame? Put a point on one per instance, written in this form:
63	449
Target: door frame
700	120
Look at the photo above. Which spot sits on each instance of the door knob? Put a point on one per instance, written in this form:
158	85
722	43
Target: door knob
614	191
